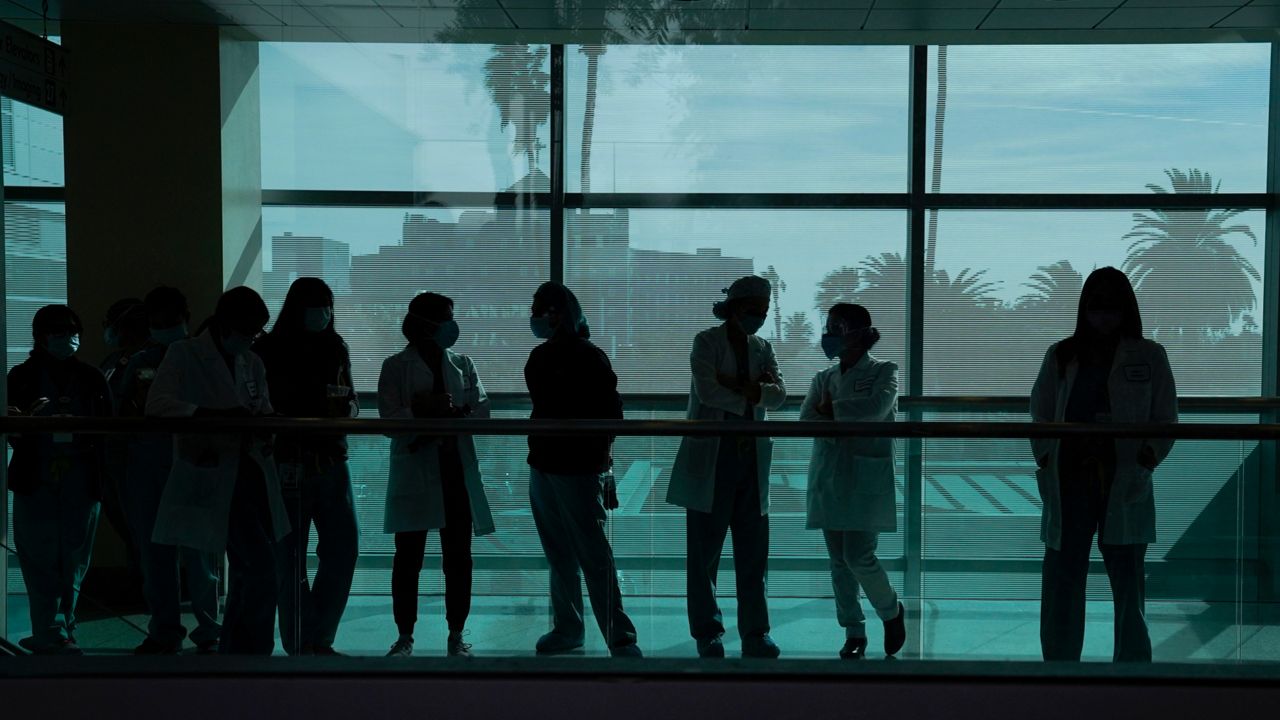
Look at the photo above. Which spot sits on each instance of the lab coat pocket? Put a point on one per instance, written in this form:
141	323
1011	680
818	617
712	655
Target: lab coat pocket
408	476
1138	487
872	475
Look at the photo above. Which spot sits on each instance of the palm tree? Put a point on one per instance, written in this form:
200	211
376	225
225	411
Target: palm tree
797	330
1055	285
593	53
520	88
1173	252
935	180
881	280
777	286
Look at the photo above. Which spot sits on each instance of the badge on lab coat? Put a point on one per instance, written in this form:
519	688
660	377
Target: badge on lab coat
290	476
863	384
1137	373
252	388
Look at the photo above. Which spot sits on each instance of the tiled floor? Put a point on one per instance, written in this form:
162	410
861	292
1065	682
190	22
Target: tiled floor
950	630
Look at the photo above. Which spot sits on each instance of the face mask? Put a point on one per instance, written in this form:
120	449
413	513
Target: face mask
110	337
541	327
1104	322
169	335
317	319
63	346
833	345
446	333
237	344
751	323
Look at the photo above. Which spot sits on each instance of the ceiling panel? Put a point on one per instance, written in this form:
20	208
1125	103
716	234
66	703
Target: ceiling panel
353	16
1016	19
807	19
1168	17
1259	16
935	4
1059	4
924	19
425	17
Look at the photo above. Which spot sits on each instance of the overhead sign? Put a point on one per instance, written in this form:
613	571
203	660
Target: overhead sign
32	69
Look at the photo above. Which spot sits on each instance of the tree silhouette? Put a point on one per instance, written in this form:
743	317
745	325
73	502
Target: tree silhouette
520	88
593	53
798	330
935	180
777	286
1172	251
1056	285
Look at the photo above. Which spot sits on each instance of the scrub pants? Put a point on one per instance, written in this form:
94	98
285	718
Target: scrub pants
53	528
736	507
149	465
854	565
323	497
569	513
249	624
455	552
1084	491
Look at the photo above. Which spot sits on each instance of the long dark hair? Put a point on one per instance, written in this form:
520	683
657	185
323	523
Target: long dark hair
1105	279
305	292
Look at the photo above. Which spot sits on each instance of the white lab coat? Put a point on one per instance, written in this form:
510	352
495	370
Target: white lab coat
415	494
693	477
1142	390
851	479
195	507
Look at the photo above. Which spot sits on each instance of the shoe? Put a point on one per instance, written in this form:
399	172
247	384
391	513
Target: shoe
554	643
325	651
402	648
895	632
631	650
455	647
711	649
760	646
152	646
854	649
62	646
207	648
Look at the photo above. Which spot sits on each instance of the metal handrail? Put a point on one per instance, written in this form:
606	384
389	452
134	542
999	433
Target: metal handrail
640	428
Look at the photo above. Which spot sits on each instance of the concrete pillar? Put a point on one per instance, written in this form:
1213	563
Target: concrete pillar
163	176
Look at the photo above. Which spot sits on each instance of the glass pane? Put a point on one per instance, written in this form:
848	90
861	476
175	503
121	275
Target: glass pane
1006	285
982	547
404	117
32	140
376	259
35	275
1097	119
647	280
744	118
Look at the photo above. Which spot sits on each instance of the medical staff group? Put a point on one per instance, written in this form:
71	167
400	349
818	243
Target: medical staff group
187	500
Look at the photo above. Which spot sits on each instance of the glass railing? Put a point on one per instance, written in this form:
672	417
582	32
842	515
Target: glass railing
966	557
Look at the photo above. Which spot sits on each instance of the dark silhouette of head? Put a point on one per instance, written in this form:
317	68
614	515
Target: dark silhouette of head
306	293
426	312
555	300
166	307
1108	312
54	320
846	318
241	310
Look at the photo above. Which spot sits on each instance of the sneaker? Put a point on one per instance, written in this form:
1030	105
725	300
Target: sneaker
760	646
554	643
456	647
402	648
152	646
207	648
854	649
62	646
711	649
631	650
895	632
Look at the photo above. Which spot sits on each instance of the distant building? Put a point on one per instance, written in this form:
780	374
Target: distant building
295	256
35	255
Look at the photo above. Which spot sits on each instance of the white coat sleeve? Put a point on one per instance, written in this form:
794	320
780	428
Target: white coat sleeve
165	397
480	399
1164	402
1044	397
876	405
706	383
772	394
260	373
393	400
809	408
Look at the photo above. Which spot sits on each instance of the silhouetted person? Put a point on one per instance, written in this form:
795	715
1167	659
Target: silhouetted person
124	333
223	492
309	373
56	479
1105	372
150	461
851	496
569	378
435	481
723	482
